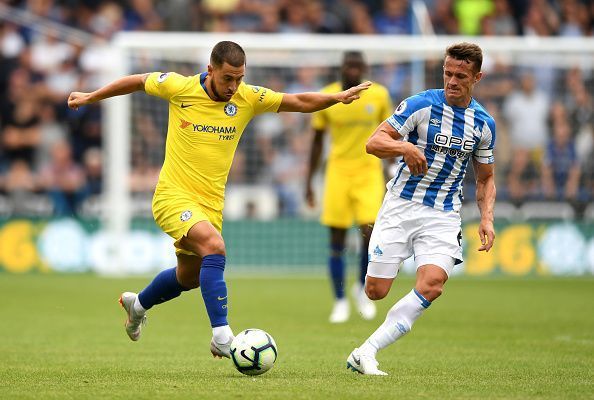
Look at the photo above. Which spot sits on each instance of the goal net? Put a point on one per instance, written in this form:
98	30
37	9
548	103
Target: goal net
266	222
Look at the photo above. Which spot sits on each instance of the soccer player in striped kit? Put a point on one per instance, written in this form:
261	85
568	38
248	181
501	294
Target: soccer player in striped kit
437	133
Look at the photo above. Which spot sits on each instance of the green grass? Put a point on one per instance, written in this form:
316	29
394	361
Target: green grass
62	337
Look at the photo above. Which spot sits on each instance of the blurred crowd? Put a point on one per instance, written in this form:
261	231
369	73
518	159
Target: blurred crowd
51	158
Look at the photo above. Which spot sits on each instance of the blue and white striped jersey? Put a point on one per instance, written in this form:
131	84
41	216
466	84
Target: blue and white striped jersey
448	136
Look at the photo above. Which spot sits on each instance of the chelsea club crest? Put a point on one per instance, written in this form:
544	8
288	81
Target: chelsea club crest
185	216
230	109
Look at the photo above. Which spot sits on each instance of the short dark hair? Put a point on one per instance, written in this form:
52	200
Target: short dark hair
227	52
353	55
468	52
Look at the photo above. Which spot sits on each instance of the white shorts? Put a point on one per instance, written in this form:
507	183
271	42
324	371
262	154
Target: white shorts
404	228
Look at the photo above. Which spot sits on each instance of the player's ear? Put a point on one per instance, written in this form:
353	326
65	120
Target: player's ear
478	77
209	69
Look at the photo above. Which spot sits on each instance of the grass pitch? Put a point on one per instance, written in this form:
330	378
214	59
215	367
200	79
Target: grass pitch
62	337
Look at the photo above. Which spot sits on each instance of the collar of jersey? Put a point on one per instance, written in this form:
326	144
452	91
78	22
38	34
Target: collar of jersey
443	99
203	81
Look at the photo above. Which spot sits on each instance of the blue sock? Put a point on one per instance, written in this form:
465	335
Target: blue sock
163	288
363	261
214	289
336	264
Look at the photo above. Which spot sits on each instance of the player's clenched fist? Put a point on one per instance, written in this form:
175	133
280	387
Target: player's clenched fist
77	99
415	159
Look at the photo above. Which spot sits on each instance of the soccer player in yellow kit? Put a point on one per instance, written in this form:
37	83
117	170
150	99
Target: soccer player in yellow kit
208	113
354	185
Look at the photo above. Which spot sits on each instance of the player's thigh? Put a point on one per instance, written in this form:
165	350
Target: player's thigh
203	239
177	212
391	239
367	193
440	241
336	204
188	270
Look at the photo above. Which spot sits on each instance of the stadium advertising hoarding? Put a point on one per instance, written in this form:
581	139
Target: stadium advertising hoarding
68	245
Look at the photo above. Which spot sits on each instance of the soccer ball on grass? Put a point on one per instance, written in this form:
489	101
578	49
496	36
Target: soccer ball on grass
253	352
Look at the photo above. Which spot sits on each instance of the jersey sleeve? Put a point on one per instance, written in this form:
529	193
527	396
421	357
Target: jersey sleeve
164	84
263	99
405	118
484	151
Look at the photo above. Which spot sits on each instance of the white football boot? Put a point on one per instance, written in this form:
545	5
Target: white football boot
220	350
340	312
365	364
366	307
135	321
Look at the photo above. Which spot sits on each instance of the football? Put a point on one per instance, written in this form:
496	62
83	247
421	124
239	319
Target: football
253	352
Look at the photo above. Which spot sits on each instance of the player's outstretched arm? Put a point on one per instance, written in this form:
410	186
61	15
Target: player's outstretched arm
485	198
313	101
125	85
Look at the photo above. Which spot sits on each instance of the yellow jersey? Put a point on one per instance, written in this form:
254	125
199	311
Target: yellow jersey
202	134
350	125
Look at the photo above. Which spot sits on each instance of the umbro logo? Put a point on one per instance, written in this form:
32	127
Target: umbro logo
186	105
434	122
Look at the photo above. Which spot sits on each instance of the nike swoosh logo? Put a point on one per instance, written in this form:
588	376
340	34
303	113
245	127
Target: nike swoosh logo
186	105
221	298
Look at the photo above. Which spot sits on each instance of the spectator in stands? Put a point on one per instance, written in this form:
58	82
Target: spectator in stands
93	169
526	111
107	20
360	20
269	19
11	42
443	19
22	134
394	19
470	13
500	22
540	19
51	131
321	20
63	180
294	18
85	129
289	166
48	53
144	175
560	167
141	15
20	179
574	18
497	83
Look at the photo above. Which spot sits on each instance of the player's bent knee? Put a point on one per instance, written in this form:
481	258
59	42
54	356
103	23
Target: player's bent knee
212	245
375	291
430	290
